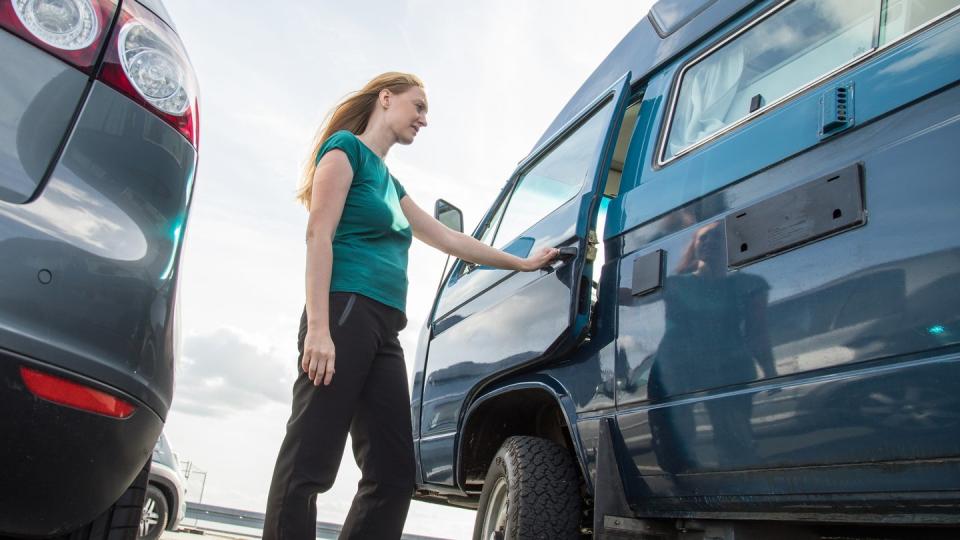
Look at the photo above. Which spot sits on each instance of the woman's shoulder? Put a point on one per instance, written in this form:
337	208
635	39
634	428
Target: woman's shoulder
345	141
343	136
343	133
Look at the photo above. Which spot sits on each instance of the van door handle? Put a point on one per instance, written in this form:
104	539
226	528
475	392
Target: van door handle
567	253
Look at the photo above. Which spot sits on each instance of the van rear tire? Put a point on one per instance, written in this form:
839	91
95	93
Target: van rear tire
531	491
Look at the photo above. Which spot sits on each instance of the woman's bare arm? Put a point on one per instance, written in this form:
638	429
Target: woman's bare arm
433	233
331	182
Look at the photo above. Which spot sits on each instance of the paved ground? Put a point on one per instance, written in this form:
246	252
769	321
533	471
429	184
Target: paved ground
207	535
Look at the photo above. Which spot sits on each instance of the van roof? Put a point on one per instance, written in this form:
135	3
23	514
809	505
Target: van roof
671	27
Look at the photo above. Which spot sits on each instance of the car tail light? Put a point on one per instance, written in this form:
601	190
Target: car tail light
72	30
71	394
146	61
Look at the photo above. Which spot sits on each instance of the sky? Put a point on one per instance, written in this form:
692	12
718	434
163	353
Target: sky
496	73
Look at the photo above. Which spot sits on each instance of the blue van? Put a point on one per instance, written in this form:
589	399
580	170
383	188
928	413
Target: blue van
754	328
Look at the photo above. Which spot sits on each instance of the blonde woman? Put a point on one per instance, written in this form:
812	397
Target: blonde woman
352	377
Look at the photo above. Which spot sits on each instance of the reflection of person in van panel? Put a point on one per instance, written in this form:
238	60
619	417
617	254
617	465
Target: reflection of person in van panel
715	336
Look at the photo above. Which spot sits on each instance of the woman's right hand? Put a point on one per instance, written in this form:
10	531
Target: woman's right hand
319	355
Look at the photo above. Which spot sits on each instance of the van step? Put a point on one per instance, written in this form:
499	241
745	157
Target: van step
638	529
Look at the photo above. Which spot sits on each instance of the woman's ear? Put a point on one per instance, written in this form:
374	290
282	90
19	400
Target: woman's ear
384	98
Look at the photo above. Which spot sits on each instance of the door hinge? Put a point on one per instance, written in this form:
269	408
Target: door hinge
591	246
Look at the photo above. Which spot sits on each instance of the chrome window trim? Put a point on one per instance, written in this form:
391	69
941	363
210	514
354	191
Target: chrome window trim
675	87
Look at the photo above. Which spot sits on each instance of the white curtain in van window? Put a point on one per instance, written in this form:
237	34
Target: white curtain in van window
706	97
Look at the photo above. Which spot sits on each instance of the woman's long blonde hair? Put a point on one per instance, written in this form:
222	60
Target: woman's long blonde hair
352	114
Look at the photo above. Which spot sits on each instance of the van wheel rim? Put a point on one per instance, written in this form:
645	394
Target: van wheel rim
495	516
149	518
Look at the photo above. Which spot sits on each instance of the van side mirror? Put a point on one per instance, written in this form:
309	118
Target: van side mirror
448	214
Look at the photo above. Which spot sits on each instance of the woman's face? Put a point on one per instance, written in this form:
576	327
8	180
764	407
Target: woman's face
407	113
709	244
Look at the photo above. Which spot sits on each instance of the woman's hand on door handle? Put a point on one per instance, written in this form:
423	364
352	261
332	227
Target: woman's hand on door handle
540	259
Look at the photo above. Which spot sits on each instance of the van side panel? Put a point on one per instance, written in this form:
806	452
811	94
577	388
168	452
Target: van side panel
828	372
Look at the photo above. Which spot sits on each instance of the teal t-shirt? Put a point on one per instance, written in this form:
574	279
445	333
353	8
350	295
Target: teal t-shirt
373	237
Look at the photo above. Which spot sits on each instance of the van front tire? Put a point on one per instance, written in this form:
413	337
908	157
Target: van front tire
532	491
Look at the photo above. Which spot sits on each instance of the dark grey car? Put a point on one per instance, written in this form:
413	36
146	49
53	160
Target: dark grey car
98	148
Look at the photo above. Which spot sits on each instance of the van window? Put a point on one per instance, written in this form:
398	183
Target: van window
900	17
781	54
553	180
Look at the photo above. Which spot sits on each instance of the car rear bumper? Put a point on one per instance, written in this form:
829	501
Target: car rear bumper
61	467
89	267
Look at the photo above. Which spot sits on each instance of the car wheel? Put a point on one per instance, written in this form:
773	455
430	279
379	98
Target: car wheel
155	514
120	521
532	491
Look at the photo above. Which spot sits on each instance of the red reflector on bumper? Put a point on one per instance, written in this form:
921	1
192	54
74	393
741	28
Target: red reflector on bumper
64	392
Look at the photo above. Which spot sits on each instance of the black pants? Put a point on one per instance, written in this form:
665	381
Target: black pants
367	397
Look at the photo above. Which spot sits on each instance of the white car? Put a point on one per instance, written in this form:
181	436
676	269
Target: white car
165	502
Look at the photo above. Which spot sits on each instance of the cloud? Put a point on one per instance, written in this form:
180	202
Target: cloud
221	374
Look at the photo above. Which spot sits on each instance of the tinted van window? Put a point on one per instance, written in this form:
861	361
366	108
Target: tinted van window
554	179
779	55
791	48
900	17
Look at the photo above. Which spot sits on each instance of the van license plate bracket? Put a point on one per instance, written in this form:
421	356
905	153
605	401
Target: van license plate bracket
804	214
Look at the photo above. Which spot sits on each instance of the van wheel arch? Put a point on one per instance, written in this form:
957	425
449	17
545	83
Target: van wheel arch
522	410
